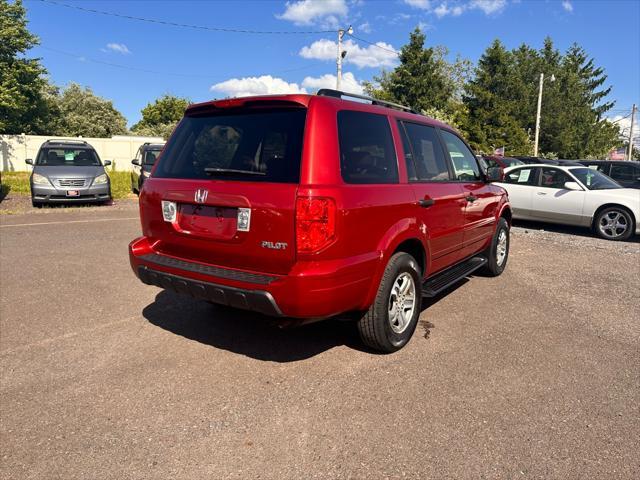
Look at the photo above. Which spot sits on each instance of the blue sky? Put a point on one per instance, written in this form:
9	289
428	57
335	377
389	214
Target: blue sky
203	64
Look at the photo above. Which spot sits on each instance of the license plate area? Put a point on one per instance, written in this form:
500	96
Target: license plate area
73	193
210	221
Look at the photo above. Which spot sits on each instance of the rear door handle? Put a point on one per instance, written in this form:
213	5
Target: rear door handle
471	198
542	193
426	202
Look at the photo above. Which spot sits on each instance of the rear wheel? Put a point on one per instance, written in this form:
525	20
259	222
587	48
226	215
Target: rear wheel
392	319
498	252
614	223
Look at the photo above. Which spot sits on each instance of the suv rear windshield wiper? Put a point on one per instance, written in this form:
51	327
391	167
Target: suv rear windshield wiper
230	171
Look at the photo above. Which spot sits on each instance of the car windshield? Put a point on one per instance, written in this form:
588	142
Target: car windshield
67	157
150	156
594	180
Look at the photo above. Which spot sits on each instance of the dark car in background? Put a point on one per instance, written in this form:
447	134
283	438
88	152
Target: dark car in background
626	173
68	171
494	161
143	163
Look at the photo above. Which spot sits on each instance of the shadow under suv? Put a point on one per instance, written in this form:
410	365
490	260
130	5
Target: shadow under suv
312	206
68	171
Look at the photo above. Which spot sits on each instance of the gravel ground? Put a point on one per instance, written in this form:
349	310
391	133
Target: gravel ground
534	374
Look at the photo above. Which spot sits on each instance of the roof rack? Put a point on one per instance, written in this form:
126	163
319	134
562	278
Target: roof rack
328	92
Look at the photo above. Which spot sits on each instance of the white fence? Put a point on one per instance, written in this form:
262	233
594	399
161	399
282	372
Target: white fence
121	149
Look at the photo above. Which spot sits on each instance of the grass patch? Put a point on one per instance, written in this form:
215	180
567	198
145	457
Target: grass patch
18	182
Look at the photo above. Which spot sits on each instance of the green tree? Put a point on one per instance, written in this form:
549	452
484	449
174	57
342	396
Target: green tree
422	80
84	113
490	100
27	101
160	117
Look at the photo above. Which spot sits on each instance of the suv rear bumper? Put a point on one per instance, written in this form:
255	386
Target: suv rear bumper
310	290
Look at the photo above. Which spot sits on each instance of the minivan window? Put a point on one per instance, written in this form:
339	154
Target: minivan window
67	157
367	153
257	146
464	161
150	156
428	156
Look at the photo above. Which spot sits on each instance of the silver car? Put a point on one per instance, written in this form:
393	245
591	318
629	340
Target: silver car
68	171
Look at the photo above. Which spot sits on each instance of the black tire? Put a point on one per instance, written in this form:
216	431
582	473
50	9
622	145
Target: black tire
35	204
620	216
497	262
375	327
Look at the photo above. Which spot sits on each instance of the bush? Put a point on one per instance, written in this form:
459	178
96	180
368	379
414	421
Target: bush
18	182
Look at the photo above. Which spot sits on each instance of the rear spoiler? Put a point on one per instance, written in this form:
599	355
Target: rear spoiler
284	101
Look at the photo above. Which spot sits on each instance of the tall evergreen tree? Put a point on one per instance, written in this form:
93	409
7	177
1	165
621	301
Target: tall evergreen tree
422	80
491	98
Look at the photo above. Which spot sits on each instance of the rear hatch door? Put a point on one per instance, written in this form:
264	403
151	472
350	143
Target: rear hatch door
230	178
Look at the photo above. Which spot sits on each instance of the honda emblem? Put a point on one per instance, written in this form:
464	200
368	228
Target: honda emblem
201	195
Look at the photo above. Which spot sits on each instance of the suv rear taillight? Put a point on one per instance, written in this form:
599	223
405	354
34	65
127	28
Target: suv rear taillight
315	223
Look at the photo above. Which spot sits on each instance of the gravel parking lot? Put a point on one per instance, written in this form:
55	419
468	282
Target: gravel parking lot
534	374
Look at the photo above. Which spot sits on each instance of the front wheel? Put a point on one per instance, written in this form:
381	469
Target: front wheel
498	252
614	223
392	319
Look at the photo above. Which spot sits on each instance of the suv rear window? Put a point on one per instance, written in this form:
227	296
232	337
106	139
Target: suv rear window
262	146
367	154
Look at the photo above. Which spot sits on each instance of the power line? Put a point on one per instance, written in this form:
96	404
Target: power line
155	72
185	25
376	45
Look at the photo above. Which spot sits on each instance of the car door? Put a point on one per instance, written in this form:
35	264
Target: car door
553	202
519	184
440	201
482	198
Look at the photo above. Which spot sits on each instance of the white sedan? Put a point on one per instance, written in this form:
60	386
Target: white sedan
573	196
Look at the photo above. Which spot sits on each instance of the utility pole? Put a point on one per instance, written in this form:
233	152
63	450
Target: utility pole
535	145
633	114
341	54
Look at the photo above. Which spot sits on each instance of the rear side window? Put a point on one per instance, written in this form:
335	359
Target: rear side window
258	146
427	154
367	154
522	176
624	172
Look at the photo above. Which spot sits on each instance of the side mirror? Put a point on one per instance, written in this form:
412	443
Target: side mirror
107	163
29	161
495	174
572	186
135	162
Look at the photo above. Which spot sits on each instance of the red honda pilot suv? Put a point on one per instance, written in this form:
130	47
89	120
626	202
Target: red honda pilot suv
313	206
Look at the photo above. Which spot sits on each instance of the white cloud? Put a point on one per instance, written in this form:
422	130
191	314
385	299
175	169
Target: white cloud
455	9
307	12
365	27
118	48
443	10
566	4
248	86
488	6
348	84
421	4
624	122
268	85
370	56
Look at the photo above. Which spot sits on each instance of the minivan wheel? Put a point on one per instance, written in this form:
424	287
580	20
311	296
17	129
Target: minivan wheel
614	223
392	319
498	252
